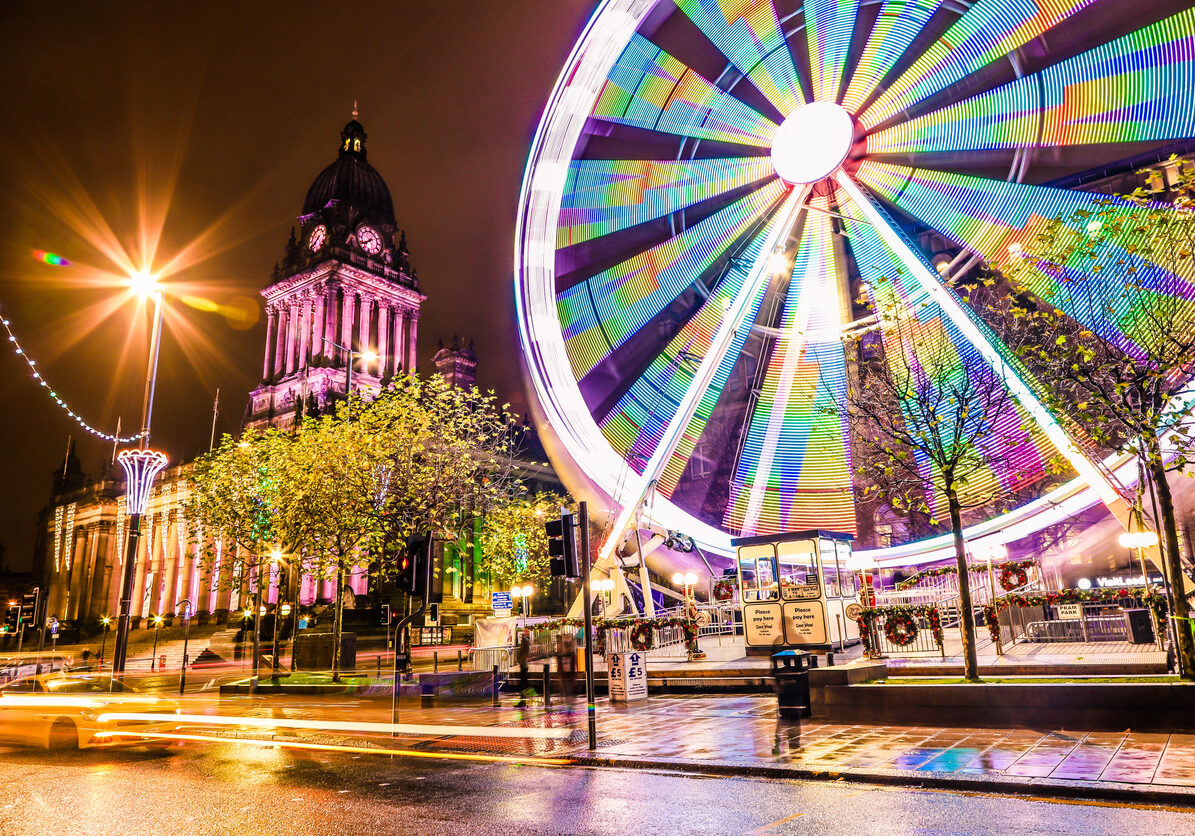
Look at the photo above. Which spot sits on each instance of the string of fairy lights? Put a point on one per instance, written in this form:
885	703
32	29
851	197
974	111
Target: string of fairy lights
54	396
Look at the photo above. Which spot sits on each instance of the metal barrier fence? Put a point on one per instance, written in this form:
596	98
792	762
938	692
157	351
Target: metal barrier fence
923	641
485	658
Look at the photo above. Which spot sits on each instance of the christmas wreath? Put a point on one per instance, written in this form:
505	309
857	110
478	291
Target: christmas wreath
641	635
724	589
900	629
1013	576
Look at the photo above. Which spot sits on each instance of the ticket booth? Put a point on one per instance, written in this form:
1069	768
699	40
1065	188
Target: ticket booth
796	590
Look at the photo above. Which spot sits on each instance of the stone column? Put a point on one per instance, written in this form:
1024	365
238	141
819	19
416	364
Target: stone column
289	350
330	325
346	326
280	332
413	326
383	339
319	329
363	326
271	329
169	563
304	332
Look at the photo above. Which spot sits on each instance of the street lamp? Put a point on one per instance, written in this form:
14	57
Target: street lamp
687	580
524	592
153	659
106	622
1139	541
140	466
369	355
185	606
604	586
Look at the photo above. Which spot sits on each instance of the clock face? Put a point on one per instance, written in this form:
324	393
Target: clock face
317	238
369	240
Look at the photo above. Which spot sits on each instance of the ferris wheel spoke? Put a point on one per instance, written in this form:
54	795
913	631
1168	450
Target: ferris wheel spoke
897	26
794	471
917	335
997	356
751	38
606	196
650	89
636	422
829	27
995	219
990	30
603	312
1133	89
677	436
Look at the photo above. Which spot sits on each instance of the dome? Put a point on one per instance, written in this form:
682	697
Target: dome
351	180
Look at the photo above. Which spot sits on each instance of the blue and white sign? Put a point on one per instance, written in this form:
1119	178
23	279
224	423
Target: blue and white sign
501	601
627	676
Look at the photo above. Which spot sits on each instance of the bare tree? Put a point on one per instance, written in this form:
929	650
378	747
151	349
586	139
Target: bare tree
937	426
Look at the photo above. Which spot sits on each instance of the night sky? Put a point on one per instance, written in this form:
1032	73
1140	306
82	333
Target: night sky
225	113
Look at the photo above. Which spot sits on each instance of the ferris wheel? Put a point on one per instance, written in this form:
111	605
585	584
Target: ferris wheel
715	182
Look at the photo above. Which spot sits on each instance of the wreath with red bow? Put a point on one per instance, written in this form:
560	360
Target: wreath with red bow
1013	576
641	635
900	629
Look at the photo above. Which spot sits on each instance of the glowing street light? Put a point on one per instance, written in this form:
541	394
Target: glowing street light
369	356
1139	541
604	586
106	622
686	580
140	466
153	659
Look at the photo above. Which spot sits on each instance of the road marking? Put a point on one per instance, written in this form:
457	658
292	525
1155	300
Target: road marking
328	747
766	829
335	725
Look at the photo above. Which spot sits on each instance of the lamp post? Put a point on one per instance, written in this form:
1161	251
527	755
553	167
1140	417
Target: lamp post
1139	541
106	622
604	586
185	606
140	466
686	580
368	356
153	659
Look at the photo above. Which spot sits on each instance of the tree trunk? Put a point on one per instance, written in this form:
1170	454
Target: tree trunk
966	612
1179	609
338	622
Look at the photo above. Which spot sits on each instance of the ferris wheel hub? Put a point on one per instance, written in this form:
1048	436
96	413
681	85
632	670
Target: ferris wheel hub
812	142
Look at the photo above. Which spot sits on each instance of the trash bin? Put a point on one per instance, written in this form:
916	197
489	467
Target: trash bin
790	671
1138	626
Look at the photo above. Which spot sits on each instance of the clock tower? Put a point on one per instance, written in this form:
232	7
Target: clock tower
345	288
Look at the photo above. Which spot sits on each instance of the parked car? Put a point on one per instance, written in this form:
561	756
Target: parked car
68	711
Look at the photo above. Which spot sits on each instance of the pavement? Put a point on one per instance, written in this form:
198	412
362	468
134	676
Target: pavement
743	736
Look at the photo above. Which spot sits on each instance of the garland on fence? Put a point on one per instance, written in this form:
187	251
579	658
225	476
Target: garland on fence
1152	597
725	588
900	626
941	571
640	630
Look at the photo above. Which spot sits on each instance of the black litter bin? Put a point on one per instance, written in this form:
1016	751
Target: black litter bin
1139	626
790	672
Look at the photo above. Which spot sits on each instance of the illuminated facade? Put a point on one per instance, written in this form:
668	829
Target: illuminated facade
345	285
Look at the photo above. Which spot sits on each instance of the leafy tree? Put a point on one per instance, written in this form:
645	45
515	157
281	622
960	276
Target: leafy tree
238	508
1109	309
937	427
514	545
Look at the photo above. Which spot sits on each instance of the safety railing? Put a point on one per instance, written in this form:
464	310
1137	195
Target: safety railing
902	634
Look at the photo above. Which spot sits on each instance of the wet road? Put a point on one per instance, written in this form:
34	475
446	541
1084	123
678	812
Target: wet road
236	788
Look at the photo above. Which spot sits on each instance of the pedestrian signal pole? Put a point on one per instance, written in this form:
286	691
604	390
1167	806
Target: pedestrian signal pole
591	705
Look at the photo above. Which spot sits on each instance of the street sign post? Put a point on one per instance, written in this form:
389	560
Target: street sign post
500	601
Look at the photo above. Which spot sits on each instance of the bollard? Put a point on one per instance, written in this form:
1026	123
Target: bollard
547	685
494	683
435	661
459	661
829	658
379	666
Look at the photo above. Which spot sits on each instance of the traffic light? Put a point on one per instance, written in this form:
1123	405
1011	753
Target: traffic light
28	609
413	564
562	546
10	619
